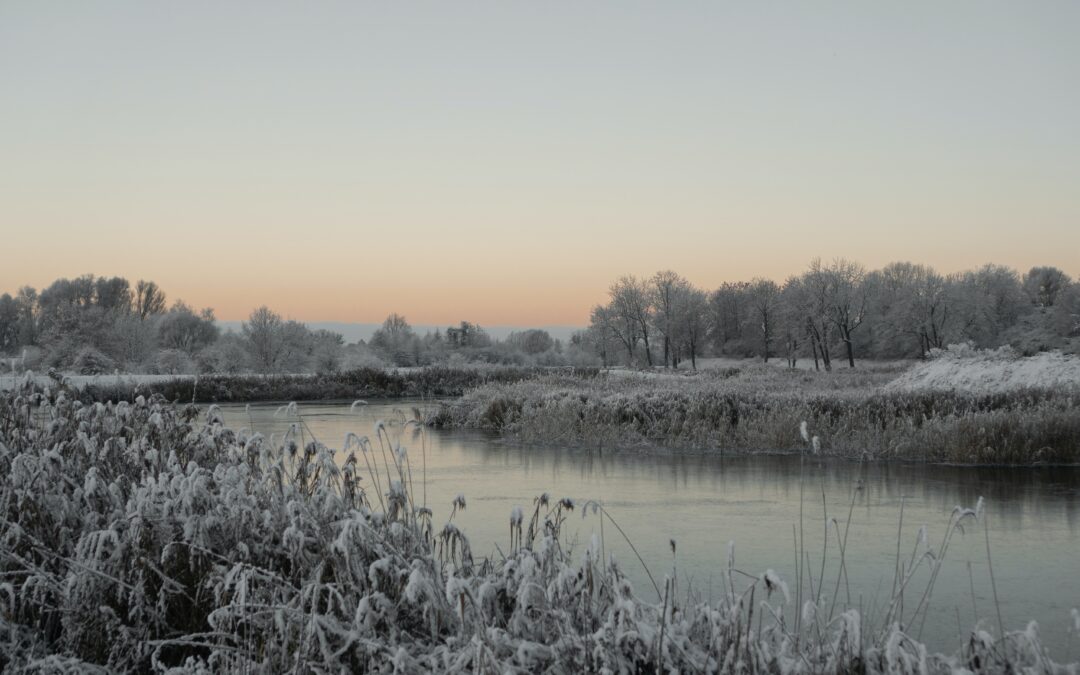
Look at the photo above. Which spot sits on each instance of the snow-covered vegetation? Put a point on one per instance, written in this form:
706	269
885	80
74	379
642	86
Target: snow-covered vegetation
961	367
98	325
834	310
147	536
427	382
94	325
760	408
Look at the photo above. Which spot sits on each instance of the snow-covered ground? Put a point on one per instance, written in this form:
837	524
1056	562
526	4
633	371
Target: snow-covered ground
965	369
79	381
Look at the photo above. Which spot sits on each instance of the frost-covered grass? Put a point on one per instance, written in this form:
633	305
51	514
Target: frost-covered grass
762	409
962	368
141	536
427	382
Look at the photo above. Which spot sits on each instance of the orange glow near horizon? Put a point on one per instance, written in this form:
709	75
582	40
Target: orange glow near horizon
504	164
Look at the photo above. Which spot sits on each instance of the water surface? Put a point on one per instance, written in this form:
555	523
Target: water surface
705	501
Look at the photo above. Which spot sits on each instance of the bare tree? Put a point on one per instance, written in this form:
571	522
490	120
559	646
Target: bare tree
666	291
813	296
396	340
149	299
728	316
993	300
622	327
692	321
113	294
764	296
913	301
263	333
9	323
603	335
848	296
792	319
631	306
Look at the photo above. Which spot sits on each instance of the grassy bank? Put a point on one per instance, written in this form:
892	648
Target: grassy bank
763	409
139	537
429	382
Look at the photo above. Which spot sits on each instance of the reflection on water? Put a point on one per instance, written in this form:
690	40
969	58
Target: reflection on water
705	501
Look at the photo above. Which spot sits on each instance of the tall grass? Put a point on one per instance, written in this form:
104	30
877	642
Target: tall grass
146	536
763	410
427	382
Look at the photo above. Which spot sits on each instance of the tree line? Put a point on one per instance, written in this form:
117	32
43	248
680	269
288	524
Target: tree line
95	325
834	310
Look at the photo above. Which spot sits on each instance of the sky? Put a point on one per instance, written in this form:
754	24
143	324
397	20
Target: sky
504	162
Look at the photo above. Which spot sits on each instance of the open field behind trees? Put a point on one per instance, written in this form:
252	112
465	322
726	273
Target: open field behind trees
147	536
878	413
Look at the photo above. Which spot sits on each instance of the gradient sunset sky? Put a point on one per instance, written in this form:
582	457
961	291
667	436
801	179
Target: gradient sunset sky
504	162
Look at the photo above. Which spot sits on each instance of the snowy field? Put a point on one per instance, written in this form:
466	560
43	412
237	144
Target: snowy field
961	369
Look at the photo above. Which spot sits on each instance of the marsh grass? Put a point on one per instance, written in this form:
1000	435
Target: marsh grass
427	382
146	536
763	409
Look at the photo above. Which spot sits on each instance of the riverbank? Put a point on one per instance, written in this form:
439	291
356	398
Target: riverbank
198	548
428	382
764	409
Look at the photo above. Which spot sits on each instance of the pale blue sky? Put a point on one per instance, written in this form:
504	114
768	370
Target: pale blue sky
504	161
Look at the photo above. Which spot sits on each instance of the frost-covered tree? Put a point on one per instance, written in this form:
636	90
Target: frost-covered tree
230	354
9	323
327	351
849	296
262	331
1066	312
666	295
792	319
26	301
764	297
467	334
992	300
181	328
396	341
603	335
1044	285
728	318
691	323
134	341
813	296
532	341
912	308
631	306
297	347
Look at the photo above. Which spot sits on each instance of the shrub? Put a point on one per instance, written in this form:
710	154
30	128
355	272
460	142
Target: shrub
173	362
90	361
